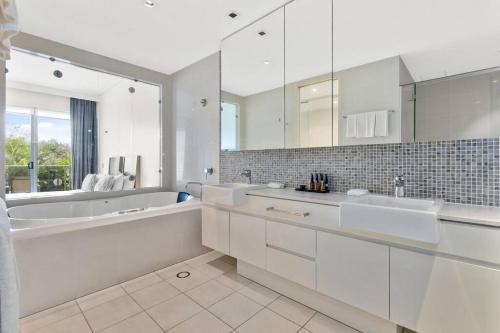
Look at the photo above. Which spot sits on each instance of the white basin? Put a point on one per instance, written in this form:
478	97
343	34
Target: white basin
414	219
228	194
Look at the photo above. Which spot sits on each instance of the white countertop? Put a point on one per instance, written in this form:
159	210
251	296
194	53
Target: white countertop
482	215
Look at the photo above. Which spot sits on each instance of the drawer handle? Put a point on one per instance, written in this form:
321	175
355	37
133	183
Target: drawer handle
288	212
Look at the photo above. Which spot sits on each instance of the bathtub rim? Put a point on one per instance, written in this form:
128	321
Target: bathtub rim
62	225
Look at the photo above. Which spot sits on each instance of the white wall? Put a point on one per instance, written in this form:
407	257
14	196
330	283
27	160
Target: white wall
129	124
30	99
197	127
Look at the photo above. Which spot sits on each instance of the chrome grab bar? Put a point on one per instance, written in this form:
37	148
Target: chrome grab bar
130	211
288	212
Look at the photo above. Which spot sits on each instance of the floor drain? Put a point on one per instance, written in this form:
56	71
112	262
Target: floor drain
183	275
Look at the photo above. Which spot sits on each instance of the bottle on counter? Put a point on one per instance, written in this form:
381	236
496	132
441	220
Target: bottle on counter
327	186
311	183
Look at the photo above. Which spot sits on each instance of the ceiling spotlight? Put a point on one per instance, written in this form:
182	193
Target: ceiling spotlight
52	59
315	90
131	90
232	15
57	73
266	62
149	3
262	33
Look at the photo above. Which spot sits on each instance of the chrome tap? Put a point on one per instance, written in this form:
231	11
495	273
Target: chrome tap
195	183
399	186
248	174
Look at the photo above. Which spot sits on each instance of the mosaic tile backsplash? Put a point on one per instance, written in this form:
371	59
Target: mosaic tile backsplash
465	171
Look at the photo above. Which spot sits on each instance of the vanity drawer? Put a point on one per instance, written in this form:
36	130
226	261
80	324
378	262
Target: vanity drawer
311	214
291	267
292	238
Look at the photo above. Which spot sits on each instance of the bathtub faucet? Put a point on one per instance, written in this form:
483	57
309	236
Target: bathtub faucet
195	183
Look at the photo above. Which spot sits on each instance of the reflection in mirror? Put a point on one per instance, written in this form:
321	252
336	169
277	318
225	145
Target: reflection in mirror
309	114
79	130
458	107
252	65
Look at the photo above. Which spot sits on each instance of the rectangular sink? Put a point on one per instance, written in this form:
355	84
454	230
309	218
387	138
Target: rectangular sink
228	194
414	219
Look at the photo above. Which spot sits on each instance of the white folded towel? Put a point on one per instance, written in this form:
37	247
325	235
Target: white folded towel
382	123
9	295
350	131
370	124
361	125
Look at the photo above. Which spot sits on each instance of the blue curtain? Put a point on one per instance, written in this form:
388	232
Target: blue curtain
83	140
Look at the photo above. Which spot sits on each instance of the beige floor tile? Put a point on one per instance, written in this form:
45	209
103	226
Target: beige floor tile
267	321
304	331
75	324
100	297
170	313
209	293
112	312
141	282
235	309
259	294
49	316
171	271
195	279
140	323
291	310
230	260
323	324
233	280
154	294
203	322
214	268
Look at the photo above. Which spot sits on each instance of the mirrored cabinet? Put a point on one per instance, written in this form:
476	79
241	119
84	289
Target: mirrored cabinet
319	73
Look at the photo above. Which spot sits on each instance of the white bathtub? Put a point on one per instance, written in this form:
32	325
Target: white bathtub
70	249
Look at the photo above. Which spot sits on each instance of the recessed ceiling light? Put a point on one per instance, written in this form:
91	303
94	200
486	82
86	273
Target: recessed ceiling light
233	15
262	33
57	73
149	3
266	62
315	90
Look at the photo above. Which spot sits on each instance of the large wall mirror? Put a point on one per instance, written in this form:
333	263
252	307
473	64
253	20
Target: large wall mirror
73	129
352	72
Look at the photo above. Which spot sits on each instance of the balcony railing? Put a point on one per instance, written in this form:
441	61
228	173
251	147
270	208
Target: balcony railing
49	178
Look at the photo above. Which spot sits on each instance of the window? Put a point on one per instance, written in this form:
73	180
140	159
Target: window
230	127
37	150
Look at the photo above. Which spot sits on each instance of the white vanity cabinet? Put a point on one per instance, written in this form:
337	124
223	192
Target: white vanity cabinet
354	271
215	229
248	239
432	294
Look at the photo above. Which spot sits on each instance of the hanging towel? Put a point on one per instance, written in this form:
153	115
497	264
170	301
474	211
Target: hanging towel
8	27
370	124
9	295
362	125
350	131
382	123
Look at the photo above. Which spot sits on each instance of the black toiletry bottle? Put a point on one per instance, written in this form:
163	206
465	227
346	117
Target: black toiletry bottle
311	183
316	183
326	183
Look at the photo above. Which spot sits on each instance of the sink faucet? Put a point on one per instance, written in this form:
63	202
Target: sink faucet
248	174
195	183
399	186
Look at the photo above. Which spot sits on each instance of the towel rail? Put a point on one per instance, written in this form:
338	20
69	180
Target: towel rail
345	117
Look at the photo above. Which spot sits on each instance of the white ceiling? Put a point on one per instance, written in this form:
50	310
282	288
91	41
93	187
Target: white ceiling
35	73
166	38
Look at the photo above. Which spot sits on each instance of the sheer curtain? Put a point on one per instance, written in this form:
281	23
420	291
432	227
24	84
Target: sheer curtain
83	140
8	26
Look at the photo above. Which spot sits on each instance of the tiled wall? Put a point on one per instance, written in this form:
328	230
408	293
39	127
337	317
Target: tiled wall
466	171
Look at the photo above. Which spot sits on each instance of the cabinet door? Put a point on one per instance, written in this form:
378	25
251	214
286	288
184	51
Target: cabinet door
248	239
432	294
215	229
354	271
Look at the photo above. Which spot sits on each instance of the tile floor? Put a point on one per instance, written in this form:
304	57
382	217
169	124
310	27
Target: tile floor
213	299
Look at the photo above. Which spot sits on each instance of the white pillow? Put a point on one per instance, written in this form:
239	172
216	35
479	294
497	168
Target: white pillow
104	184
117	183
89	182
